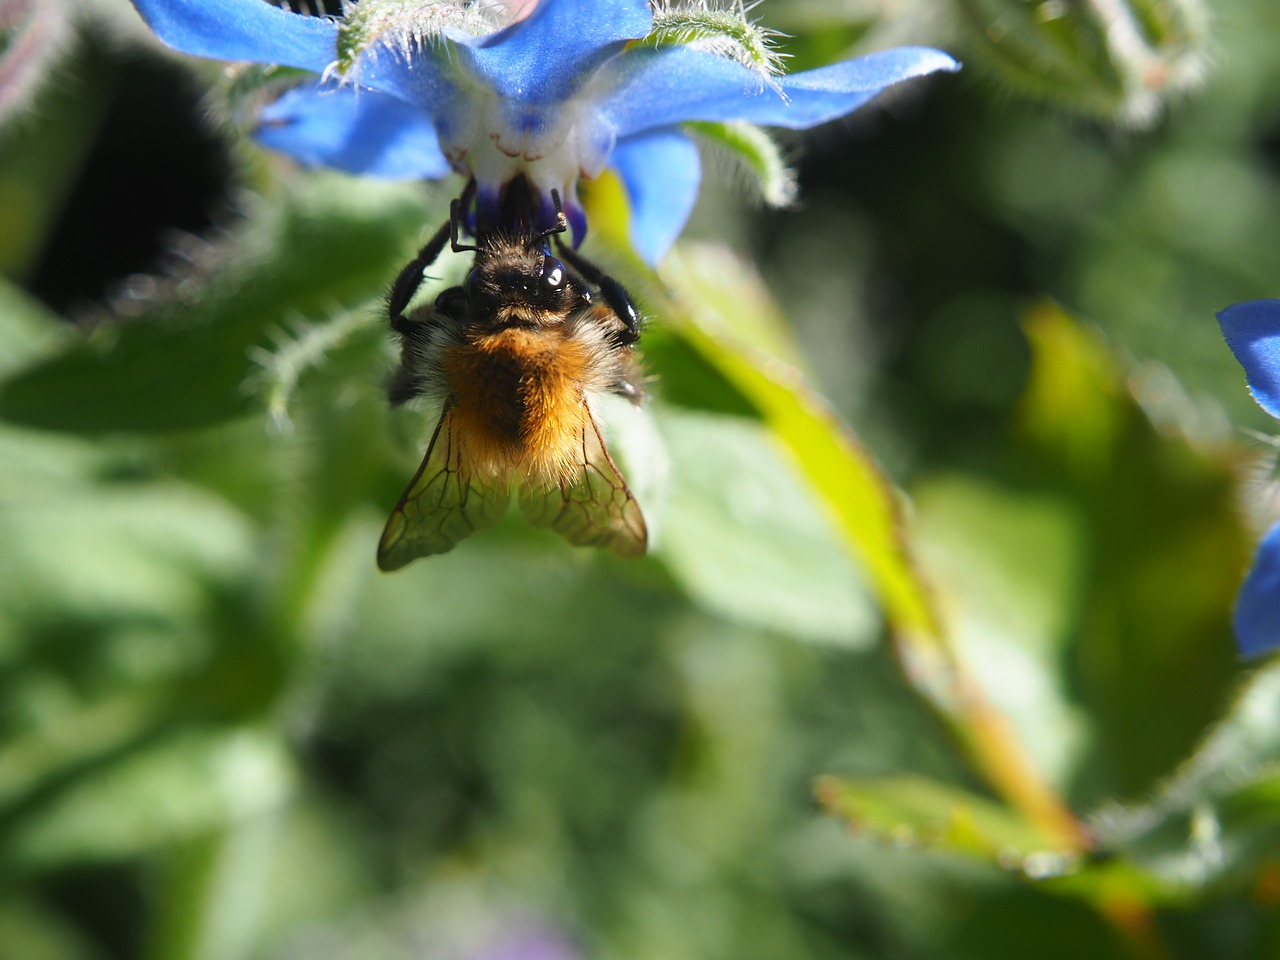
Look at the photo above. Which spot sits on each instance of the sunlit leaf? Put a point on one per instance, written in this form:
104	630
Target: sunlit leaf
743	536
685	378
721	308
726	317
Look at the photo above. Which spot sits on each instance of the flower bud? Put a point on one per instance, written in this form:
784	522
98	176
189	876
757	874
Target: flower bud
1120	60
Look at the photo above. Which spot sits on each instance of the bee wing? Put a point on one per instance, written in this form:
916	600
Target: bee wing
594	508
441	506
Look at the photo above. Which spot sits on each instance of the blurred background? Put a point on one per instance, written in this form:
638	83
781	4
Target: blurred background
951	475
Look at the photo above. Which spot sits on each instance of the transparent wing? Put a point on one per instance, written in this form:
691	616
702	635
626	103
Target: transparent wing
442	504
593	509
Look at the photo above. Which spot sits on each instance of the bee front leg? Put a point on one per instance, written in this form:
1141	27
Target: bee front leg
457	217
615	295
410	279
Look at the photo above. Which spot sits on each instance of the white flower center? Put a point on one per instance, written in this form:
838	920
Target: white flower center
552	145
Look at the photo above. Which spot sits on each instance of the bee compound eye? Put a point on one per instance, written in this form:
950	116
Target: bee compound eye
553	272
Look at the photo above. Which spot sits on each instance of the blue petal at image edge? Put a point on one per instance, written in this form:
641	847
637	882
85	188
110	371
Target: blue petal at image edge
1257	614
353	130
1252	331
242	30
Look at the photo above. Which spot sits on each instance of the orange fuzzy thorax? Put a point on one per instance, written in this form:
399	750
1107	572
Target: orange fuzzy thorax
518	403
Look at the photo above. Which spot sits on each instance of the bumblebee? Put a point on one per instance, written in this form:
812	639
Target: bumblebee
516	356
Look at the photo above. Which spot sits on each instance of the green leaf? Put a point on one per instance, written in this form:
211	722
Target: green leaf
1218	818
1006	565
724	313
29	929
1150	648
186	784
77	741
744	537
914	811
685	378
721	308
28	331
907	812
182	362
113	553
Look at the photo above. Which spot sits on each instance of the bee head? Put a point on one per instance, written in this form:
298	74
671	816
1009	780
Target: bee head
520	278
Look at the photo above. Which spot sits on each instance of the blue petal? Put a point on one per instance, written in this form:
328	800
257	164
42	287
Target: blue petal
547	56
1253	333
352	129
242	30
542	59
1257	615
661	172
654	87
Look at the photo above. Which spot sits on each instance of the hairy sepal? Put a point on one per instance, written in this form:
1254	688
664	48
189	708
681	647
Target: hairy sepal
406	26
723	31
758	153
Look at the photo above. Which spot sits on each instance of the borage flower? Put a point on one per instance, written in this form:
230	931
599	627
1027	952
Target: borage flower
1253	334
416	88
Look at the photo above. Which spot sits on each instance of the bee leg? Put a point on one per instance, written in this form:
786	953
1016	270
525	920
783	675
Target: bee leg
457	217
459	209
410	278
614	294
562	222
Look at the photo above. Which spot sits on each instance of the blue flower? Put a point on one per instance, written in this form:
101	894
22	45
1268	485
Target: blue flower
415	89
1253	334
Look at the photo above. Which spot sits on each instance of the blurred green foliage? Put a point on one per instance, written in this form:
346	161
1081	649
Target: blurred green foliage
987	708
